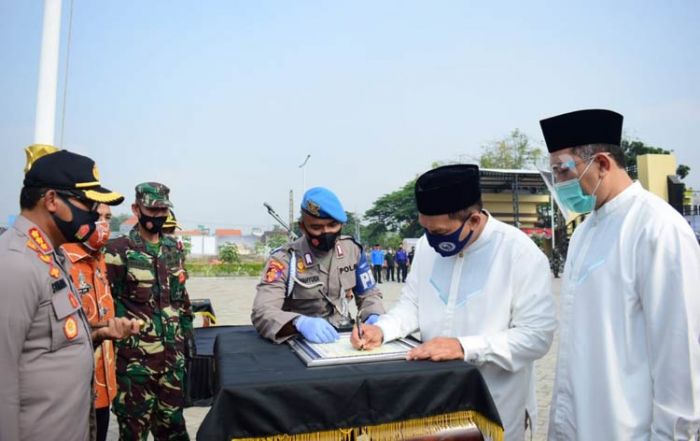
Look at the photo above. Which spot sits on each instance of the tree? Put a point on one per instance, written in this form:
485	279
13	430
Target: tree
395	213
512	152
228	253
632	148
117	220
353	227
682	171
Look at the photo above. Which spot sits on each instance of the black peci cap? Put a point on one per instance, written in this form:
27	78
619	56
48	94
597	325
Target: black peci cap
582	127
448	189
64	170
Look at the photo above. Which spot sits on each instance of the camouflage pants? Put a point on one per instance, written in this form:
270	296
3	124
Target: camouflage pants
152	403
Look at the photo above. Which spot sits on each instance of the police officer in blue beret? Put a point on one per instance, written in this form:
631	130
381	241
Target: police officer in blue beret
307	284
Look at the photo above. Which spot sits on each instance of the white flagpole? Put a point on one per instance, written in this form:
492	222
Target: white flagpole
45	124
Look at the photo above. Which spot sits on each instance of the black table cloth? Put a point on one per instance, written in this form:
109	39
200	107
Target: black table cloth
265	390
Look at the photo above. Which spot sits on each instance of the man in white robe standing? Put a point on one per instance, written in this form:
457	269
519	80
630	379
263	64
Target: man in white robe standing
629	356
479	290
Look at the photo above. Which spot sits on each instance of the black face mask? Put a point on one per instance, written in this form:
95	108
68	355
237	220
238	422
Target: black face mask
323	242
80	227
155	221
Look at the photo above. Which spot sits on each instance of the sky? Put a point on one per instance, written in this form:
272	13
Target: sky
223	100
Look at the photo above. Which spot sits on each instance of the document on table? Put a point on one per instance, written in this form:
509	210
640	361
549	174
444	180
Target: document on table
342	352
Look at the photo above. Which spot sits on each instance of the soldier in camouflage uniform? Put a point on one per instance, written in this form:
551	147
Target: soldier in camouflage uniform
147	277
307	284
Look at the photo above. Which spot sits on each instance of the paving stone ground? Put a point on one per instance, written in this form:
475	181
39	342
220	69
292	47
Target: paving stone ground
232	299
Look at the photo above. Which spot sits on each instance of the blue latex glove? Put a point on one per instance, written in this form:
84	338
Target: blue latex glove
372	319
316	329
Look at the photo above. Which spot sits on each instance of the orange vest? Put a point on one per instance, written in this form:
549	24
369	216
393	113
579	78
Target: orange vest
89	276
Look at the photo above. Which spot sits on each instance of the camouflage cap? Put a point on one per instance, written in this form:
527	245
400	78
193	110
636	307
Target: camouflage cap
153	195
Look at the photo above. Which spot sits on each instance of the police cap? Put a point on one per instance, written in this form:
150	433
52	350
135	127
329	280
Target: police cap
322	203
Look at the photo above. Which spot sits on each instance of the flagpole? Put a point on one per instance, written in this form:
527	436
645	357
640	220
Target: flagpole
45	123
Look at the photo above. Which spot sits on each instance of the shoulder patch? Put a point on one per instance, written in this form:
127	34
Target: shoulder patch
274	271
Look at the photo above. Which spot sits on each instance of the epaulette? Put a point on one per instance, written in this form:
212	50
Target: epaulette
351	238
283	249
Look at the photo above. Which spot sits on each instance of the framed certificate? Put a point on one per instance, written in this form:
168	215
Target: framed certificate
342	352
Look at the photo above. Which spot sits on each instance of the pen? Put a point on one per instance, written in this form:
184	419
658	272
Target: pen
358	322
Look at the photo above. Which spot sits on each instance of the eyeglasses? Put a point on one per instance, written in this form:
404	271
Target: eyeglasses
565	166
90	204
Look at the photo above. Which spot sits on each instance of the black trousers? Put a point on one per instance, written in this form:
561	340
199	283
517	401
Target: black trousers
377	273
401	272
102	417
390	272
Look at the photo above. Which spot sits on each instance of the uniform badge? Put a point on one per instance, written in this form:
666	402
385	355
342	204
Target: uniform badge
73	301
313	208
44	258
39	239
339	249
300	267
70	328
308	259
82	231
274	271
83	286
54	272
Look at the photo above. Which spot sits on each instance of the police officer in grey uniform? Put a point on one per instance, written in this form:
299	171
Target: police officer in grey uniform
46	352
307	284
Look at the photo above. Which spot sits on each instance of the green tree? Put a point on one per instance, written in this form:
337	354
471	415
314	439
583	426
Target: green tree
632	148
228	253
353	227
513	152
117	220
682	171
395	213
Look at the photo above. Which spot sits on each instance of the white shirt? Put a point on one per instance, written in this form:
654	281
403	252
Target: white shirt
629	357
496	298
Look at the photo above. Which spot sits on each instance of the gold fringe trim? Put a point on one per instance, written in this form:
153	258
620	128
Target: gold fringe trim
399	430
212	317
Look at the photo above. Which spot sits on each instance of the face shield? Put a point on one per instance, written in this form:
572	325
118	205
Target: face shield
564	183
563	168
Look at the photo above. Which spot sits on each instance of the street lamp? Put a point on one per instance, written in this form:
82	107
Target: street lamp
302	166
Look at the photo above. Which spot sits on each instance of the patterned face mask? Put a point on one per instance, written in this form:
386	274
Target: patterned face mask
99	237
448	244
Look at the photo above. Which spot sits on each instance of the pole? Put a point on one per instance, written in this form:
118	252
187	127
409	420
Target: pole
45	124
290	233
552	214
302	166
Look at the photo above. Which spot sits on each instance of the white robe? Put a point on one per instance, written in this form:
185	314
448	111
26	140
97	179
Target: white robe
497	300
629	356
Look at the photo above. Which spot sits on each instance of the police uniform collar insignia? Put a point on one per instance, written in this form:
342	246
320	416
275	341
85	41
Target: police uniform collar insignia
308	260
339	249
38	238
